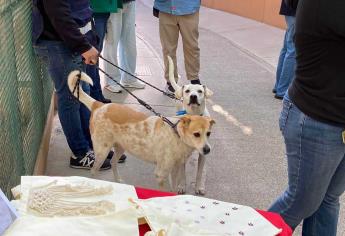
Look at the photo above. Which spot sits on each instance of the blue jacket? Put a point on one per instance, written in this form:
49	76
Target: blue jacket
177	7
60	20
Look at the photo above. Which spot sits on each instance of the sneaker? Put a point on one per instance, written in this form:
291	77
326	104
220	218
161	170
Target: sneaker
169	88
86	162
121	160
114	88
136	84
105	100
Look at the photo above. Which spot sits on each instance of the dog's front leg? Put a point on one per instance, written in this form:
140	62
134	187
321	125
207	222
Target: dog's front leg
182	186
201	176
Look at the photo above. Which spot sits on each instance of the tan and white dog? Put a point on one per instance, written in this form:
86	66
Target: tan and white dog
193	103
146	137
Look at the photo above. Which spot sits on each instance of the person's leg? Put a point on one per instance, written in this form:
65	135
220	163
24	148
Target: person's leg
189	28
325	220
114	28
169	33
127	44
280	62
60	62
314	152
289	65
101	20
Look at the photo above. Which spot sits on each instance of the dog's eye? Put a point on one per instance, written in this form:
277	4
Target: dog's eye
197	135
200	91
208	134
187	91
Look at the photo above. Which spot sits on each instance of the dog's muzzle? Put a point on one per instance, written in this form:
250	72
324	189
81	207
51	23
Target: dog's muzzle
206	150
193	99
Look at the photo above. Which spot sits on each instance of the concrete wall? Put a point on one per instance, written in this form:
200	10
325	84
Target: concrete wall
266	11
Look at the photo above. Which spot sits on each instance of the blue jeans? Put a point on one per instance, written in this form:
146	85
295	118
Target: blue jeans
287	59
74	116
316	171
101	20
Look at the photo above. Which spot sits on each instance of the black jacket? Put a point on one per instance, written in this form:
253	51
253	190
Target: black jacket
286	10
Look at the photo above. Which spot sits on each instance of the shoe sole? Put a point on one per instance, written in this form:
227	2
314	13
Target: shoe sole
87	168
134	87
112	91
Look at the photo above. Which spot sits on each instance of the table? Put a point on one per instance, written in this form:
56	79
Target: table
274	218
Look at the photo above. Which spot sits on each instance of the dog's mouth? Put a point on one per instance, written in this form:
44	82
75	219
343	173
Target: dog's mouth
193	102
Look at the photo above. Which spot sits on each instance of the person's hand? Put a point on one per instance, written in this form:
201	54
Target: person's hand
90	56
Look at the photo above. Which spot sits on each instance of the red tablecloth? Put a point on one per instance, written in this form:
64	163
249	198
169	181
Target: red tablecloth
274	218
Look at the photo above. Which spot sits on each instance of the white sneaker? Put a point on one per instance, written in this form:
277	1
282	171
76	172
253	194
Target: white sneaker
137	84
114	88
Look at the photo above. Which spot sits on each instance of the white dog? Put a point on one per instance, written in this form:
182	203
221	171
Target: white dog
193	103
146	137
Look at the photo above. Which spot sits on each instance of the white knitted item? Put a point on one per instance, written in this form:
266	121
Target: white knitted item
54	200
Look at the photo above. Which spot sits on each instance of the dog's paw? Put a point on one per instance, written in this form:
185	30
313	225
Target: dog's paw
181	189
200	191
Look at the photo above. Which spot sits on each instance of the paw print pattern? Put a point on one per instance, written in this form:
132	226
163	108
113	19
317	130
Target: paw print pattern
202	207
235	208
222	222
241	233
215	203
227	214
250	224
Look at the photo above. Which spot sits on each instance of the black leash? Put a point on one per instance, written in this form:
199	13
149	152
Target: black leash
140	101
172	96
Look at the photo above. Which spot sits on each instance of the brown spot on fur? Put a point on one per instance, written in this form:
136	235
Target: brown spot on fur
121	114
146	128
158	125
96	105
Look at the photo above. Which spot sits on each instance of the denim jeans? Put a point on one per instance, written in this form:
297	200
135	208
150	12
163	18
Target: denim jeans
101	20
316	171
74	116
121	38
287	59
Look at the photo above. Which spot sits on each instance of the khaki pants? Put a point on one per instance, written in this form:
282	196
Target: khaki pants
170	26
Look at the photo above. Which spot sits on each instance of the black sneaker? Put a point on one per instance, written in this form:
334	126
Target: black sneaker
86	162
121	160
105	100
196	81
169	88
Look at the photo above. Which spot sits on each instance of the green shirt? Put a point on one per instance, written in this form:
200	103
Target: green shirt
104	6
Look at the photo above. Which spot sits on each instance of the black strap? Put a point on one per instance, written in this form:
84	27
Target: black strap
172	96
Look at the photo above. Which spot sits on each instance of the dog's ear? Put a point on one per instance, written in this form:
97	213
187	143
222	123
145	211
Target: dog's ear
179	92
212	122
185	120
208	92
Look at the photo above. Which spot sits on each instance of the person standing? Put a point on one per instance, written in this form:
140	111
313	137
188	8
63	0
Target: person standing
62	39
313	121
287	59
179	17
101	12
121	38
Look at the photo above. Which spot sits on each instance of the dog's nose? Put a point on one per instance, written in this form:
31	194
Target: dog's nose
193	98
206	150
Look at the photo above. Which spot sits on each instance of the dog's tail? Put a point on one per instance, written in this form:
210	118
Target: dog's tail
171	75
88	101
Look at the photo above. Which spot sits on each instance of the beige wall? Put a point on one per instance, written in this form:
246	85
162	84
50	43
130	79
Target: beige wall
265	11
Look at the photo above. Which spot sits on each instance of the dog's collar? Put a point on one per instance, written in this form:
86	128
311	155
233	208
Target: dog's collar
184	112
181	113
